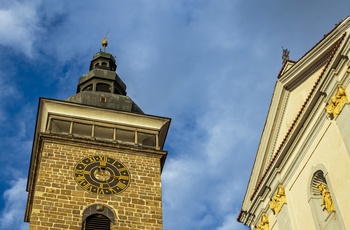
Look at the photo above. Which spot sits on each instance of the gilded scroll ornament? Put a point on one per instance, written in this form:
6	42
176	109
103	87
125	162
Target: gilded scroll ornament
337	102
264	223
327	201
278	200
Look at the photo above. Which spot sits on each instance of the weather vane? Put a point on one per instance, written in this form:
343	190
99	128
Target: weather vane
285	55
104	42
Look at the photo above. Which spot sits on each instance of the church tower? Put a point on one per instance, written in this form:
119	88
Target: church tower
97	158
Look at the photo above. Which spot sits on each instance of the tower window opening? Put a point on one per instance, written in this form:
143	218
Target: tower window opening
88	88
108	132
60	126
102	87
146	139
125	136
103	132
82	129
97	222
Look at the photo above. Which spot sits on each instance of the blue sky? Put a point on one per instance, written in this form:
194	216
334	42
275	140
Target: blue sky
209	65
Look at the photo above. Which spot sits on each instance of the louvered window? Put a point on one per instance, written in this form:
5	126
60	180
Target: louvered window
97	222
316	180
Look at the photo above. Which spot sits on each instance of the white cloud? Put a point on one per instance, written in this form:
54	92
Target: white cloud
230	223
202	63
19	26
13	213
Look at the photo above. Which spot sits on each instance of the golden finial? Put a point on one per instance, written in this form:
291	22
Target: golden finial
104	42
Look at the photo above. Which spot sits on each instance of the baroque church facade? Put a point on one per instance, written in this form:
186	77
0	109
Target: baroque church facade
97	159
301	174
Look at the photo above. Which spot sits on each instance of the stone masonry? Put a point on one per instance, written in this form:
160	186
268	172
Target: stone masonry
59	202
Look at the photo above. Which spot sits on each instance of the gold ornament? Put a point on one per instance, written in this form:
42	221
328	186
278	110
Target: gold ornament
337	102
264	223
327	201
278	200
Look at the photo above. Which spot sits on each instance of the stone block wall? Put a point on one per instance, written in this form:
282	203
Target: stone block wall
59	201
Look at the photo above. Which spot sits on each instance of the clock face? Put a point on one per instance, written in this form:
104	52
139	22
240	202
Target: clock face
101	175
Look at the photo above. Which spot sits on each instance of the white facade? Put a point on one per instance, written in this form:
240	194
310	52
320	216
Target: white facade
305	146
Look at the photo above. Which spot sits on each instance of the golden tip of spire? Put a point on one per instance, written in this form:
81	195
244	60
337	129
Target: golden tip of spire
104	41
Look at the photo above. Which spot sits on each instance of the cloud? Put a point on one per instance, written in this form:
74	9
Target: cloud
13	213
230	223
208	65
19	25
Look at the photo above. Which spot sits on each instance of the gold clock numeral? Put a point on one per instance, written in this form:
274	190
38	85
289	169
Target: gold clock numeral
121	185
122	177
122	169
100	191
92	159
103	158
88	186
112	191
80	179
77	171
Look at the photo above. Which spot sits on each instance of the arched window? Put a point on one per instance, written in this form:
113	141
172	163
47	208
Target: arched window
88	88
97	217
102	87
321	201
97	222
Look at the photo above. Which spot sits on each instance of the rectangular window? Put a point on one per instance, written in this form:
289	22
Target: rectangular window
82	129
59	126
103	132
125	136
146	139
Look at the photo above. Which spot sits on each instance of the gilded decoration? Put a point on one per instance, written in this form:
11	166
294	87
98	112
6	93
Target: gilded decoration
337	102
278	200
264	223
327	201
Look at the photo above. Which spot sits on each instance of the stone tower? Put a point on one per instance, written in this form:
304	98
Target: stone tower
97	158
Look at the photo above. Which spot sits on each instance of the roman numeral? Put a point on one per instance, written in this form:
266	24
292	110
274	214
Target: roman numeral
123	178
81	172
88	186
103	158
101	191
121	185
80	179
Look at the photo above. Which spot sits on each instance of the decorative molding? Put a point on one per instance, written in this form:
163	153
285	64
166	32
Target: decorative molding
337	102
278	200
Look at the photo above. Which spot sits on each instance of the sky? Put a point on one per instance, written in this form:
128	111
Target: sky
210	65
